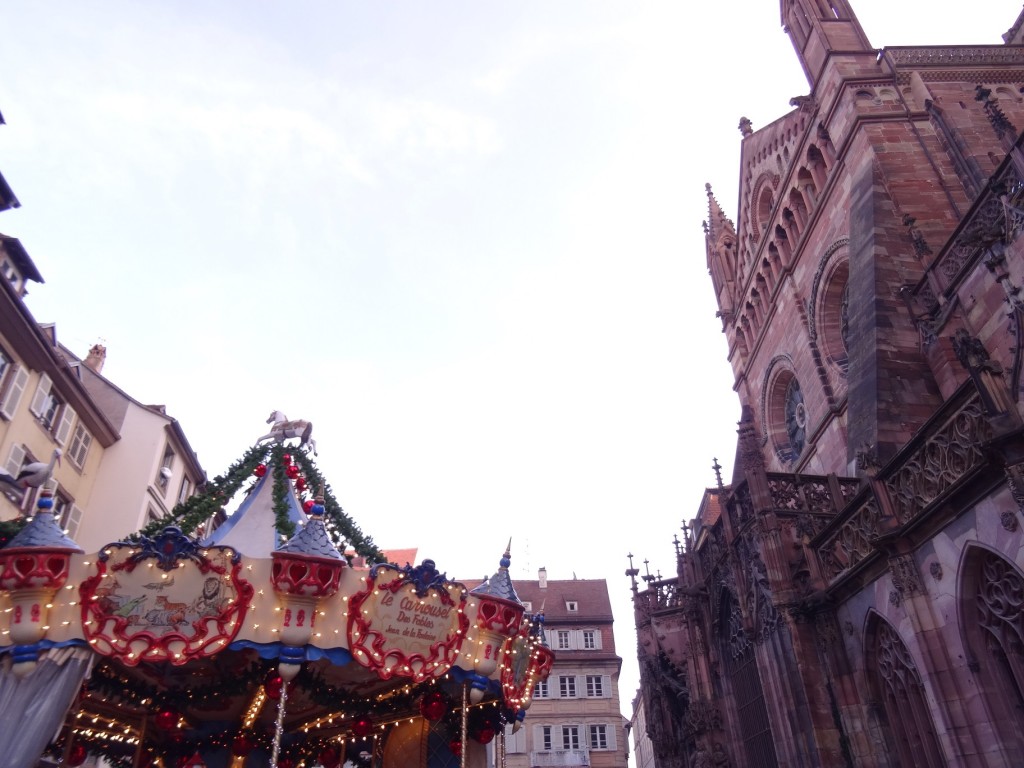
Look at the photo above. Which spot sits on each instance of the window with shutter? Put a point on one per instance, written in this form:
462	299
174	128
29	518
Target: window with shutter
545	737
72	520
599	737
50	417
595	686
166	468
79	448
15	460
515	742
41	399
12	397
67	418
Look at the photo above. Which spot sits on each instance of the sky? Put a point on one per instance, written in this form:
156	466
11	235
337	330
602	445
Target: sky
463	239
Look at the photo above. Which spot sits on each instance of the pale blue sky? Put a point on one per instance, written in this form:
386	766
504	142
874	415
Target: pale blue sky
462	238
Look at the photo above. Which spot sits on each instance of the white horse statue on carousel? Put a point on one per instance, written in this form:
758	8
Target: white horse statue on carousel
282	429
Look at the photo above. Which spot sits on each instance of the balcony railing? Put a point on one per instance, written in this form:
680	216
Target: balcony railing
560	757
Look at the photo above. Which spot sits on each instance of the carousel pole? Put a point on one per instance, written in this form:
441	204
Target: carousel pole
465	724
279	726
501	743
141	749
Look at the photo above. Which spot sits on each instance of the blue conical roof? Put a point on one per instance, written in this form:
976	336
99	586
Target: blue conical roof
500	584
44	532
312	540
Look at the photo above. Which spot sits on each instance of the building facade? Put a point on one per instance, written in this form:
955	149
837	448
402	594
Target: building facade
575	718
146	472
117	464
44	408
643	749
854	594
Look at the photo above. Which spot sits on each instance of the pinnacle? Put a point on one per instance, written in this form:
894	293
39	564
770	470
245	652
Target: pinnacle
717	222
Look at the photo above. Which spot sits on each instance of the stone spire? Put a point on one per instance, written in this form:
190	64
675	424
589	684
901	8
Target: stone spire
717	223
720	243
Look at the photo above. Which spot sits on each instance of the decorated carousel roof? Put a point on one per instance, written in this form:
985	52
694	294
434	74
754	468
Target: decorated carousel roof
500	584
251	529
43	531
259	638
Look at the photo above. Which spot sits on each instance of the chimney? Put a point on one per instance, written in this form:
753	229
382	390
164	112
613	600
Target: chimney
96	357
542	578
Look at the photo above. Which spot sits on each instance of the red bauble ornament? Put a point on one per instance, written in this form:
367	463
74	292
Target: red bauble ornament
272	685
292	471
330	757
260	470
300	484
166	719
77	754
241	746
433	706
362	726
484	735
455	745
307	505
286	459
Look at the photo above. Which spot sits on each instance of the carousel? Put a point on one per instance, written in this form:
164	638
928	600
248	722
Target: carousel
257	644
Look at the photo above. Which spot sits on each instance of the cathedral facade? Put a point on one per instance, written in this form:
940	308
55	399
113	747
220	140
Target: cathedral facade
854	594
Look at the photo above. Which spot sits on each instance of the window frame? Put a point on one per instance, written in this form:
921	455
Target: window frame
598	735
571	738
167	462
567	686
595	686
79	445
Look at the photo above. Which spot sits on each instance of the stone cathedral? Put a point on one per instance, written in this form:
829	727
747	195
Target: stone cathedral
854	594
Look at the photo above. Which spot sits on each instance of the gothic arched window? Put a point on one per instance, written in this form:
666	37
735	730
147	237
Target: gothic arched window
993	623
898	684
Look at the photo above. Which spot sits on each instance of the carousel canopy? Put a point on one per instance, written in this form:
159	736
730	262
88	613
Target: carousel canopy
260	638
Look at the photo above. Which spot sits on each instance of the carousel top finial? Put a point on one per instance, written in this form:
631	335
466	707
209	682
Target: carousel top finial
282	429
500	584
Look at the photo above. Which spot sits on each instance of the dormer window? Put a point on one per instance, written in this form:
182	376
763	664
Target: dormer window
572	606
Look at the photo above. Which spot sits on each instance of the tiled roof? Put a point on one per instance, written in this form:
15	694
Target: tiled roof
312	540
590	595
43	531
500	584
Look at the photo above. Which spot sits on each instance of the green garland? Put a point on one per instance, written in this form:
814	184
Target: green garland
282	487
197	510
10	528
339	525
